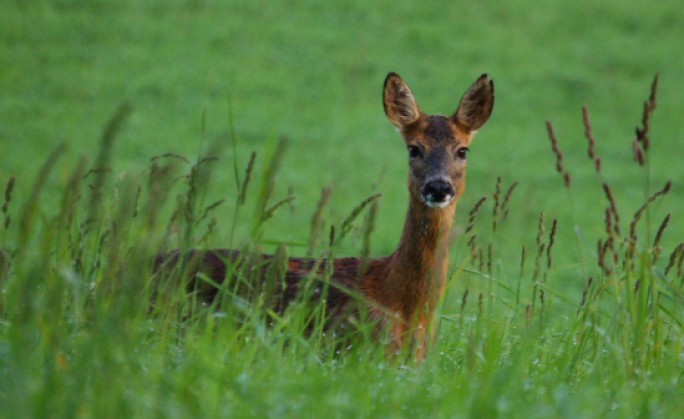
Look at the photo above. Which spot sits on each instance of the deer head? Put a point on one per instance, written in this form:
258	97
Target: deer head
437	145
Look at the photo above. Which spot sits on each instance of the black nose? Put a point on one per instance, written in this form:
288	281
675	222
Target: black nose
437	191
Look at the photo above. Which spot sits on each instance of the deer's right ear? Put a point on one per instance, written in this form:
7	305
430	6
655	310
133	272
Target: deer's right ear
400	105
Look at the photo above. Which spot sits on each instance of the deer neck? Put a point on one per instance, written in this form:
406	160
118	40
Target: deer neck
418	266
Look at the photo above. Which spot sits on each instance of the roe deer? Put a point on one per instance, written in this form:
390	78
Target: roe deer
403	288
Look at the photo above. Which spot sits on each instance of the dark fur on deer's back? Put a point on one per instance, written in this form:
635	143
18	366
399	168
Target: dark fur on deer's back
221	265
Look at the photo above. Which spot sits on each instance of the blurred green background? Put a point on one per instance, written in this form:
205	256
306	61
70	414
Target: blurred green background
312	72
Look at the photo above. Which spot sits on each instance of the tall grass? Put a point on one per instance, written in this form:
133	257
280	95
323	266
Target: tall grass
79	335
627	321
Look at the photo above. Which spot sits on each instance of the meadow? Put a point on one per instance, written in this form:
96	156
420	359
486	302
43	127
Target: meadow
128	127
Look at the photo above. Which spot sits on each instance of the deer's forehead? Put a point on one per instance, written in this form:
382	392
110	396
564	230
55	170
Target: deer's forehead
437	130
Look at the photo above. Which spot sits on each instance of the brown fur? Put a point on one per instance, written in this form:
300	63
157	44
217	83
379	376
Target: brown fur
404	288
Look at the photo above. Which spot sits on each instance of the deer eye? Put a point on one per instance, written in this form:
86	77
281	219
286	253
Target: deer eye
462	153
414	151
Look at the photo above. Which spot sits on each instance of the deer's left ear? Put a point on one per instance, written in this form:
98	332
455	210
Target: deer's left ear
401	107
476	104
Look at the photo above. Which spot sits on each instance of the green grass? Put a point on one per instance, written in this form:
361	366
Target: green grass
75	335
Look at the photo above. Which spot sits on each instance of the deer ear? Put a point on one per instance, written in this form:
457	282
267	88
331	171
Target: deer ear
400	105
476	104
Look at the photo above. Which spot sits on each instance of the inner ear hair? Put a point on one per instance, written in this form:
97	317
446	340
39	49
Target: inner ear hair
400	105
476	104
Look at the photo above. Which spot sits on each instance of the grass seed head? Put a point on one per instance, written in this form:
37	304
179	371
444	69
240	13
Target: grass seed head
489	258
523	256
8	193
497	203
8	199
674	256
649	106
507	198
242	194
473	248
552	236
637	152
585	292
559	155
464	299
608	221
659	236
472	215
540	228
613	208
640	211
588	133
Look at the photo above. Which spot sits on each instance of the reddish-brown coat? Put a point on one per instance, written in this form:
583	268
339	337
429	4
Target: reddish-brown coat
404	288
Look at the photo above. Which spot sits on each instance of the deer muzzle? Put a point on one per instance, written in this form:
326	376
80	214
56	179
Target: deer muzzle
438	193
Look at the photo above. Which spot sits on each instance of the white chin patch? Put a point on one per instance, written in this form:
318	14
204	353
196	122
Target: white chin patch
440	204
